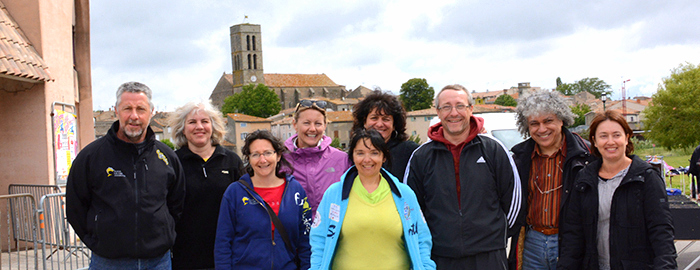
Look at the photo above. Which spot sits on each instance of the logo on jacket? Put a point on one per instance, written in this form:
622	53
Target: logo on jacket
334	214
481	160
330	170
406	211
162	157
111	172
317	220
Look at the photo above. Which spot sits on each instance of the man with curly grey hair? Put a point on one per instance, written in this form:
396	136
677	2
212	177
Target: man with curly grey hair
547	163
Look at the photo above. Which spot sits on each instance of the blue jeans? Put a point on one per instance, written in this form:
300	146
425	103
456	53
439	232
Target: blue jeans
157	263
540	251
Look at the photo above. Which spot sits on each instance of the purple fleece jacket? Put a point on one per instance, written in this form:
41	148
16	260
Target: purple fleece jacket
316	168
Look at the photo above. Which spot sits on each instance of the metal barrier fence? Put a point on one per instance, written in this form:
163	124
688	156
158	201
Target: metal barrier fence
19	212
58	238
37	191
32	226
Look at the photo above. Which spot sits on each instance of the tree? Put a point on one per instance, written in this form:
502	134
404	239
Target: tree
414	138
416	94
506	100
169	143
256	100
336	143
580	110
672	115
595	86
558	81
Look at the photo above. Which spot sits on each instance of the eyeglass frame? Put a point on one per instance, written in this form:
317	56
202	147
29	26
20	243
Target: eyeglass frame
444	108
267	154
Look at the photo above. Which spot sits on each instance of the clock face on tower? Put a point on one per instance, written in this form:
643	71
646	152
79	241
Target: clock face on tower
253	78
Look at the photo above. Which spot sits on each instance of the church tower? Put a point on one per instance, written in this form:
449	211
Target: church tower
246	54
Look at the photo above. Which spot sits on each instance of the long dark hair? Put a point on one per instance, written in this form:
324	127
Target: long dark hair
374	137
384	103
262	134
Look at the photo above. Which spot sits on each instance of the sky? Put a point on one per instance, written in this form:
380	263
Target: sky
181	48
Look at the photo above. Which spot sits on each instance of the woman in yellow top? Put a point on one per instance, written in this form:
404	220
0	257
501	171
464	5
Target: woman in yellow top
369	220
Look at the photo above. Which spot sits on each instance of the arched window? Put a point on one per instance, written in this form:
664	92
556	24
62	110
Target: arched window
247	39
255	60
253	43
249	61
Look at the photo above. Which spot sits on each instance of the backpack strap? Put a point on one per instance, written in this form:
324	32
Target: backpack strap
275	220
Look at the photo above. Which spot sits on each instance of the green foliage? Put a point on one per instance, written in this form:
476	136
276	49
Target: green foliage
580	110
558	81
595	86
169	143
256	100
672	116
336	143
416	94
415	138
506	100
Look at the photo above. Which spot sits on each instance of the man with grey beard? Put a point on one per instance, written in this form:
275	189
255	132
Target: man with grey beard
126	190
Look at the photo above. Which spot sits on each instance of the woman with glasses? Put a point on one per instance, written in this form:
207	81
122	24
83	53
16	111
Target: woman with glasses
264	219
316	163
209	170
384	113
618	216
370	220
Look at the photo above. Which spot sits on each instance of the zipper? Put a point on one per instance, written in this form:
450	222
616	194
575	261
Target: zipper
136	212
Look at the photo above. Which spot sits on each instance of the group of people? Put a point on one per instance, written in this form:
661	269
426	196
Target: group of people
388	203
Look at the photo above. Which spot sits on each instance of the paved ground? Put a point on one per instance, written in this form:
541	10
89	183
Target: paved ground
25	259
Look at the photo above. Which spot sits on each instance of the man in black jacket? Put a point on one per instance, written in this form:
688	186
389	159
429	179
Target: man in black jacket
548	163
125	191
466	185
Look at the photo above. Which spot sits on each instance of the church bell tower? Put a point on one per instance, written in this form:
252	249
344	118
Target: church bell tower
246	54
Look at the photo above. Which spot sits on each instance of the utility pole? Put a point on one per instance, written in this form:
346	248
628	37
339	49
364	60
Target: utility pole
624	99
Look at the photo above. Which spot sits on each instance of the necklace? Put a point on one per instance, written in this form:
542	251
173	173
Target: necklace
537	177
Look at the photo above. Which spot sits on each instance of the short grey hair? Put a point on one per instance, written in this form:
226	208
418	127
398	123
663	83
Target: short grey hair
542	102
179	117
454	87
133	87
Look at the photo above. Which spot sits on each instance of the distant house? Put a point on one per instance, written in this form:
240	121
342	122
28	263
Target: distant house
489	97
238	126
418	122
340	126
634	112
283	128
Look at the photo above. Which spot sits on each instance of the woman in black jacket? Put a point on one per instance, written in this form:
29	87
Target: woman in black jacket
619	215
209	169
383	112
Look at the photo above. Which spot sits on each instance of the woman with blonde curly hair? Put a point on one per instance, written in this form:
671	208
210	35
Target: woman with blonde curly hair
209	170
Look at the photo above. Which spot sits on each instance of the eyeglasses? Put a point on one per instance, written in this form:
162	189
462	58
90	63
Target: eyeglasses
459	107
306	103
267	154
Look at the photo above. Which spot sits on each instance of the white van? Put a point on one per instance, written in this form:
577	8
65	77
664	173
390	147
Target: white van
502	126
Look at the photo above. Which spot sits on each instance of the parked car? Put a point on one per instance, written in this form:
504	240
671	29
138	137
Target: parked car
502	126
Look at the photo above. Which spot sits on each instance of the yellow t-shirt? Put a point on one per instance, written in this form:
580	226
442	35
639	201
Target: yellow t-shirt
372	234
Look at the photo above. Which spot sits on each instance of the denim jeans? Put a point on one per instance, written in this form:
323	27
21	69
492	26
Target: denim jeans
540	251
157	263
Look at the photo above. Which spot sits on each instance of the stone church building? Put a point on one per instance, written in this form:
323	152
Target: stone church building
247	60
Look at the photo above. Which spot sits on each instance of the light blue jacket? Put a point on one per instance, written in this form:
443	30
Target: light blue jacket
328	222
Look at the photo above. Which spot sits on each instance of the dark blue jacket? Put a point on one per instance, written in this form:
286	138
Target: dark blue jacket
243	238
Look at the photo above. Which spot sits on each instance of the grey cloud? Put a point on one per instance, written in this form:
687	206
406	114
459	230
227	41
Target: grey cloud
496	22
325	23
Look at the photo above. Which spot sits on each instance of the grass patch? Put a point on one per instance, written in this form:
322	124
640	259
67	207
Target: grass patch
675	158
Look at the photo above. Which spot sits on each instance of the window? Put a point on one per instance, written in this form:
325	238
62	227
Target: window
414	133
244	135
244	124
413	119
253	43
335	134
247	39
249	61
170	129
255	61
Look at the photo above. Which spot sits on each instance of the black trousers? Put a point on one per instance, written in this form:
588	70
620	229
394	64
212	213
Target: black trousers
490	260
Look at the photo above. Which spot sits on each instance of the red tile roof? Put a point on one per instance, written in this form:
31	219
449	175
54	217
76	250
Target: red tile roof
340	116
18	58
428	111
298	80
239	117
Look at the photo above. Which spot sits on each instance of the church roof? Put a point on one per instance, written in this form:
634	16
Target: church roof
18	58
340	116
298	80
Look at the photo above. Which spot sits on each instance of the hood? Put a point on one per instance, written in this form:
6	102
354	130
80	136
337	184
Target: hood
476	123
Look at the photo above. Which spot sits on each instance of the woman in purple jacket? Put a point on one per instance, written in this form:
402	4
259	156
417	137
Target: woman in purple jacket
316	163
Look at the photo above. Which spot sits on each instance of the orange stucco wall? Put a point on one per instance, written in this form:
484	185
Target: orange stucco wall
25	117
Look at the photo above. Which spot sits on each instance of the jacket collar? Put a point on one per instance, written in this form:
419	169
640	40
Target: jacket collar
575	146
349	177
187	153
246	178
635	173
112	136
